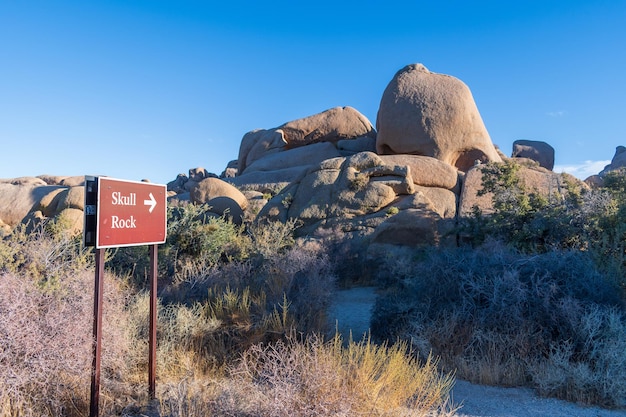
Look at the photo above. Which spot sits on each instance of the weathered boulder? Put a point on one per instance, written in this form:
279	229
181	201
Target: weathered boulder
618	161
70	220
268	181
178	185
429	114
411	227
538	151
74	181
427	171
231	170
49	202
20	196
259	143
444	202
63	180
222	198
333	125
30	201
328	126
594	181
469	198
199	173
298	157
352	146
23	181
60	199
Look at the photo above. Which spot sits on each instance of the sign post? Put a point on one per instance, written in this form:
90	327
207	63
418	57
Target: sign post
123	213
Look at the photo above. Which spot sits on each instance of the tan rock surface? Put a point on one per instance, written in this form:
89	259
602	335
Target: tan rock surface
430	114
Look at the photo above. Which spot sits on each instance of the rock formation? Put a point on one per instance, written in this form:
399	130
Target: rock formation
618	161
31	200
424	113
333	125
405	185
538	151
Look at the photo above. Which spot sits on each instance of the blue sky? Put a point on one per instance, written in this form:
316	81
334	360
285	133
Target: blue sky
149	89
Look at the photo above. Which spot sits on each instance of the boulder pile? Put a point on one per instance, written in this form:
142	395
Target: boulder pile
404	183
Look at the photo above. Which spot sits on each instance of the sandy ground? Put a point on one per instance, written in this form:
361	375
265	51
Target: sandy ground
351	311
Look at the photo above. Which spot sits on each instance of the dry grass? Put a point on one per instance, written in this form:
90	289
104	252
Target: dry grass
317	378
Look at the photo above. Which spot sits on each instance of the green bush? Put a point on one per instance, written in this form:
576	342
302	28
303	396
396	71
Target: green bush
197	241
577	218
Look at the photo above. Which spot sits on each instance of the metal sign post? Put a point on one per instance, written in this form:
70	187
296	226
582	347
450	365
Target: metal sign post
97	334
123	213
153	323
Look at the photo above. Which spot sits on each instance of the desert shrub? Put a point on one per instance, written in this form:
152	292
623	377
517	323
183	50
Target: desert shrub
317	378
301	277
493	314
45	345
12	253
196	242
347	253
270	238
42	255
609	244
598	379
201	338
527	220
573	218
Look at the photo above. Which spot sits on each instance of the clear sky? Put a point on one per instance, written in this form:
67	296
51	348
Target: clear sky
149	88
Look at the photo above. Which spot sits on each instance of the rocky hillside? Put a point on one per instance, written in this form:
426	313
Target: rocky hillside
404	182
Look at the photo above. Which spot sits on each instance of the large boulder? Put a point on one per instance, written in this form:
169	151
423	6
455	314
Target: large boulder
63	180
298	157
429	114
333	125
223	198
538	151
60	199
30	201
259	143
412	227
338	123
20	196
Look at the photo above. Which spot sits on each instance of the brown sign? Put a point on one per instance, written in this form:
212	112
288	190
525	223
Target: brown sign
130	213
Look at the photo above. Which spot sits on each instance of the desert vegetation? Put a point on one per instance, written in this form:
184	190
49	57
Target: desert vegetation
535	296
241	329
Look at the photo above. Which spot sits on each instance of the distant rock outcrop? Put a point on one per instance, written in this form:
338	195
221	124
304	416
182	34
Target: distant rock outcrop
618	161
429	114
538	151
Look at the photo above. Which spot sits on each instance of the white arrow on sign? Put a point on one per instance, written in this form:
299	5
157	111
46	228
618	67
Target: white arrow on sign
152	203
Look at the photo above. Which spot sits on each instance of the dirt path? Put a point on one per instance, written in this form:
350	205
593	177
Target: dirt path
351	311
